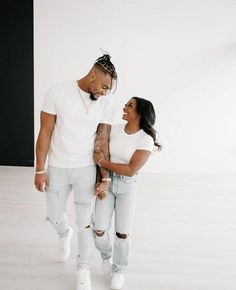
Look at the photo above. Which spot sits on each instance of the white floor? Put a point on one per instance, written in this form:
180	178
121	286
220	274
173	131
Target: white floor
184	236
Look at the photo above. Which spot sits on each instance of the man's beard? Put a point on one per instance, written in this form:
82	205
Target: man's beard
92	97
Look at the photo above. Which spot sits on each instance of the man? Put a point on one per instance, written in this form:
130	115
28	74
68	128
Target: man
70	117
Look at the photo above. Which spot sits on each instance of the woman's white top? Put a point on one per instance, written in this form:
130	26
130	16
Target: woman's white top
123	145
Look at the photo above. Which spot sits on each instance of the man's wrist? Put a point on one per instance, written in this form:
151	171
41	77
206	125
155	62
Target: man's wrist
43	171
108	179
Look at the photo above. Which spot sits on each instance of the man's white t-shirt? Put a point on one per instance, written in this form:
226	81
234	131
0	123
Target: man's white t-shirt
75	129
122	145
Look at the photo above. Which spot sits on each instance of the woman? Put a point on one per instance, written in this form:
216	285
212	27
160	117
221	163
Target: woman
130	147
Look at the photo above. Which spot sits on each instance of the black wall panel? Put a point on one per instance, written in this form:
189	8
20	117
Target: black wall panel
16	84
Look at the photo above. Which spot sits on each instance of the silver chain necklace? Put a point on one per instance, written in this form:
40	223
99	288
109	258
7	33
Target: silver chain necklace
87	106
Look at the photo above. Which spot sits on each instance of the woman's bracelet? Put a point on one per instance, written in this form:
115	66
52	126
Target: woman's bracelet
106	179
99	161
40	172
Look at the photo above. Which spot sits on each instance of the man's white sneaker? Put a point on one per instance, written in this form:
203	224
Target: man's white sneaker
106	266
64	246
83	280
117	281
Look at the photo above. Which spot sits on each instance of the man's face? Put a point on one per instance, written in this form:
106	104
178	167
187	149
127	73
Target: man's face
100	84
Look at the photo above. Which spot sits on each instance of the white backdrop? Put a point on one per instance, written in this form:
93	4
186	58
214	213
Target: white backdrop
181	55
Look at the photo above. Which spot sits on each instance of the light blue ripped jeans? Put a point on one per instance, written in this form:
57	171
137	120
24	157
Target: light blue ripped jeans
120	200
82	181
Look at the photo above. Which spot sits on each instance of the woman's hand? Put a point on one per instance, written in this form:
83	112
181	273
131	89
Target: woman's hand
101	189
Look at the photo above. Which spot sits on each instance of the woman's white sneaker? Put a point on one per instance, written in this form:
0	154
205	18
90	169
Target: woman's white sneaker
64	246
117	281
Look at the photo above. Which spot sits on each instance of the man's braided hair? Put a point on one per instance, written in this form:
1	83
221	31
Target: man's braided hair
105	65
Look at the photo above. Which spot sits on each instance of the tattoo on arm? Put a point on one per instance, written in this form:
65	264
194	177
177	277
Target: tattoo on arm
102	144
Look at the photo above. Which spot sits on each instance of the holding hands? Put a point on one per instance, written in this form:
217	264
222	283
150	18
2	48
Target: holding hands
102	187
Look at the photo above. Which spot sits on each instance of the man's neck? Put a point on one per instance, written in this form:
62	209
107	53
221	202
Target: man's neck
83	84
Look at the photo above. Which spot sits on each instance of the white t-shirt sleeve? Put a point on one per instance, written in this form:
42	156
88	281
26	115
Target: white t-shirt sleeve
49	102
146	143
109	113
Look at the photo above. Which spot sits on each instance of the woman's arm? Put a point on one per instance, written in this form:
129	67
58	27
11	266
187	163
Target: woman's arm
138	159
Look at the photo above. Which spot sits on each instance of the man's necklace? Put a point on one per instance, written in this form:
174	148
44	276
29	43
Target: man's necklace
87	105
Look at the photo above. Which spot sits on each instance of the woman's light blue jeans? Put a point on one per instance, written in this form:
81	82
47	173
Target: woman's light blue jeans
120	200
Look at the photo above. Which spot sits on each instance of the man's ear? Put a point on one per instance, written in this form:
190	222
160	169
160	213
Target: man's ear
93	76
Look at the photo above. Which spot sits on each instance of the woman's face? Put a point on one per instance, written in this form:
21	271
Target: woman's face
130	112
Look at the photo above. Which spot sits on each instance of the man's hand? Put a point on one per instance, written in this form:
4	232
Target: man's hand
101	189
41	181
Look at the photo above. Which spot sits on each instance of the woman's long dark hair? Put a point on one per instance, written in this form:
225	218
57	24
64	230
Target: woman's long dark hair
148	118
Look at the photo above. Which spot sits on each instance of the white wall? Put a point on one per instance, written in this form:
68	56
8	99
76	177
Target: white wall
179	54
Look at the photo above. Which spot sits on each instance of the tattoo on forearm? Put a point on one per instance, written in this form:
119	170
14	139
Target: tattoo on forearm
102	143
